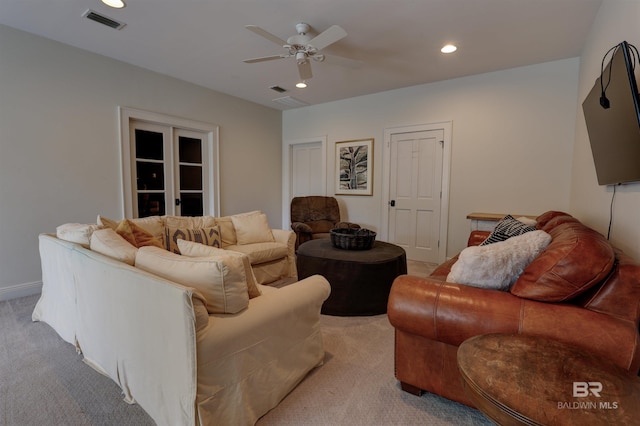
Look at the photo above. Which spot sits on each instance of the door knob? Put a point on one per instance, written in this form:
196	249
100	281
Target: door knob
392	203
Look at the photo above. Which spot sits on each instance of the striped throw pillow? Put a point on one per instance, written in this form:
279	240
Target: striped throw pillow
506	228
206	236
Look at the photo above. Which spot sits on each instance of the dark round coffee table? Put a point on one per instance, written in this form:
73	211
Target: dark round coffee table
531	380
360	279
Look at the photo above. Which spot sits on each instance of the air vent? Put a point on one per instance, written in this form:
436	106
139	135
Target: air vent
104	20
290	102
278	89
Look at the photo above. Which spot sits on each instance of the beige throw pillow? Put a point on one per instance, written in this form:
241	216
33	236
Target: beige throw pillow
108	242
154	225
105	222
192	249
136	235
227	232
252	228
223	284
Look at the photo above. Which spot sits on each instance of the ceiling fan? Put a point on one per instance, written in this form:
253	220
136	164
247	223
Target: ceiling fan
301	46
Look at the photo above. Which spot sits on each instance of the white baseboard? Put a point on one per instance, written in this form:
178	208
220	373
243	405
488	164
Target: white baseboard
20	290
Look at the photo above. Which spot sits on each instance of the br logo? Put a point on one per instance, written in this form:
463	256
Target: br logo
583	389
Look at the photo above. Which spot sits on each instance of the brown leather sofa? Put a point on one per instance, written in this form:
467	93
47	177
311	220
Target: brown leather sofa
579	290
314	217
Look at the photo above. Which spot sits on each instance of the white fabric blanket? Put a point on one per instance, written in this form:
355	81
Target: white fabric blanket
497	266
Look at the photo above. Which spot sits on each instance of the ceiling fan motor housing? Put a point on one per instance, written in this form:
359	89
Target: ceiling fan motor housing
299	47
302	28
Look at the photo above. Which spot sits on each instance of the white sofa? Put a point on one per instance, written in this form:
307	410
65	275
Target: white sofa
271	252
157	341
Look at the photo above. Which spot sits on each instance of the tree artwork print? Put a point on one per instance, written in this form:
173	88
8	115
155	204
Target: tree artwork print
353	167
354	174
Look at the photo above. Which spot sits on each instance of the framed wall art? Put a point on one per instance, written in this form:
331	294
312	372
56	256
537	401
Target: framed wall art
354	167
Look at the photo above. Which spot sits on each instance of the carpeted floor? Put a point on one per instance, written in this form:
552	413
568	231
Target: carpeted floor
356	385
44	381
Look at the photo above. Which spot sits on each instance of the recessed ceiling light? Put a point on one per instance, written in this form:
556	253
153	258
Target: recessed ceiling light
301	85
449	48
118	4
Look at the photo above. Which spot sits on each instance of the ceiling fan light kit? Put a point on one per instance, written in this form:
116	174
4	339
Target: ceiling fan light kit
301	58
302	47
117	4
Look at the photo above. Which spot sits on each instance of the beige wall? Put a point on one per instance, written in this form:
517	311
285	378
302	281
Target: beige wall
617	20
60	150
513	134
519	141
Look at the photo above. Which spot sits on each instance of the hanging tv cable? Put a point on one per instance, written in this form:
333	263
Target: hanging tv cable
633	52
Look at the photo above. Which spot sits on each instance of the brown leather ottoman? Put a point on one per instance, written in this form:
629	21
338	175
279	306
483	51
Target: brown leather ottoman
360	279
531	380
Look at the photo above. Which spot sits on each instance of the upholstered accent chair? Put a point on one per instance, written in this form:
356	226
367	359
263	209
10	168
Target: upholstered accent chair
314	217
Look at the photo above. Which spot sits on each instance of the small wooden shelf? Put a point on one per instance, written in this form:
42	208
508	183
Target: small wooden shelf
487	221
494	217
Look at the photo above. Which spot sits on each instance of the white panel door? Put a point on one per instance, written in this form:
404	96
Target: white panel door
306	170
415	189
171	170
191	174
151	171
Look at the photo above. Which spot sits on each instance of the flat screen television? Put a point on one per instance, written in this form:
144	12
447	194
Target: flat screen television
612	113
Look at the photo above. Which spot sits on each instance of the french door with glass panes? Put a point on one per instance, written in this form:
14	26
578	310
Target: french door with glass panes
169	170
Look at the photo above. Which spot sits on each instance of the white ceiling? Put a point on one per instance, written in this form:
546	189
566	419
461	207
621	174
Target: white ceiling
397	42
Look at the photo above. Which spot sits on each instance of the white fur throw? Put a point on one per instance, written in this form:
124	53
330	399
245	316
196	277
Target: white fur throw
497	266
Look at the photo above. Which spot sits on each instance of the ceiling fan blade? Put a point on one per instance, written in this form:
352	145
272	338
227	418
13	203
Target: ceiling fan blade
304	69
265	58
266	34
327	37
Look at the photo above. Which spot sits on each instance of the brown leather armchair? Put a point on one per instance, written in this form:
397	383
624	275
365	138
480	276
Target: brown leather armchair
433	317
314	217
